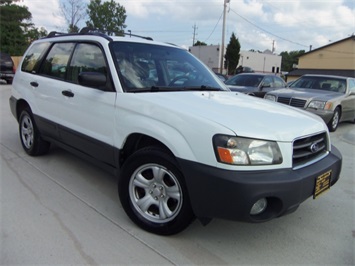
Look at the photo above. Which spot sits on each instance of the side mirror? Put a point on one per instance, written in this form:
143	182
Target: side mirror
92	79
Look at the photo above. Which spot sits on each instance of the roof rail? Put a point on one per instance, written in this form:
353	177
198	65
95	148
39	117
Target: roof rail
96	32
134	35
83	31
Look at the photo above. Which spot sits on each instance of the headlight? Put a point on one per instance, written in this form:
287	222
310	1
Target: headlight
270	97
317	104
245	151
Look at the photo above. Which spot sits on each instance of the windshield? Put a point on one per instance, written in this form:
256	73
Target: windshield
245	80
147	67
320	83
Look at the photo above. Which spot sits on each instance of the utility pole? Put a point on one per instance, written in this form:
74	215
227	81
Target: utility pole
223	33
193	38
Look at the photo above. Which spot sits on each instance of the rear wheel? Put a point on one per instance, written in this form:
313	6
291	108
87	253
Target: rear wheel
30	137
153	192
334	122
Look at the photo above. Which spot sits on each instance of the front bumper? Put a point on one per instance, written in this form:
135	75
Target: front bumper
326	115
219	193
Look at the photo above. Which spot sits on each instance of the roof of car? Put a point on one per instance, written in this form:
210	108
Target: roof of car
89	33
256	74
333	72
324	76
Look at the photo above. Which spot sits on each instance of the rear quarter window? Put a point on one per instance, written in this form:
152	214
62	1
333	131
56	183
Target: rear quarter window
33	57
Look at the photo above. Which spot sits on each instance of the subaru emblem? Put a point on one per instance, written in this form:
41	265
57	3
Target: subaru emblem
314	147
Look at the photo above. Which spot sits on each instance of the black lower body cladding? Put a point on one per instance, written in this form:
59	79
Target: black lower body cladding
218	193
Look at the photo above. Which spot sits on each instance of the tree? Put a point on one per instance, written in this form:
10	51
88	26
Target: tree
73	12
232	54
16	28
289	59
198	43
109	16
14	21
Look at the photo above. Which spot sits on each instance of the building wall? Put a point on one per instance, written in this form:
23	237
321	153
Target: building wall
210	55
337	56
261	62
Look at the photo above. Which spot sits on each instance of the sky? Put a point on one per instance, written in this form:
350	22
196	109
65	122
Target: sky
285	25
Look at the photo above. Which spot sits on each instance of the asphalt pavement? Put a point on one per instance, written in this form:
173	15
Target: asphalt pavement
59	209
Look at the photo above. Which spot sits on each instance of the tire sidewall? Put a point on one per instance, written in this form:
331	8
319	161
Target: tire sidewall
156	156
39	146
331	127
27	113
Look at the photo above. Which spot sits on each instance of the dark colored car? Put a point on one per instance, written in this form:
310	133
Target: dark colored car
330	97
7	68
255	84
221	76
245	69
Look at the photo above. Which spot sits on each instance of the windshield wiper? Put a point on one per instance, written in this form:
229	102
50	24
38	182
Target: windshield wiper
201	88
176	88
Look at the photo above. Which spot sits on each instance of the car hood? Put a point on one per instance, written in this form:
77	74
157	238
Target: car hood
229	111
307	94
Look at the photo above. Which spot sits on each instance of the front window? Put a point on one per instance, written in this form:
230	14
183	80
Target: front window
86	58
147	67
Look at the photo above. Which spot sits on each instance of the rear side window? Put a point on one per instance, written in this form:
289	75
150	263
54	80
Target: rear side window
33	57
56	62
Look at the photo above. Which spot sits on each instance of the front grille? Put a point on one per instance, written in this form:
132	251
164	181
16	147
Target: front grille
292	101
309	149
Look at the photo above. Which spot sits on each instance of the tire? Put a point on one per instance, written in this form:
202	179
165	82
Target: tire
334	122
153	193
30	137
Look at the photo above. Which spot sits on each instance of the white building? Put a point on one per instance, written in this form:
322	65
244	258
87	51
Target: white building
210	55
265	62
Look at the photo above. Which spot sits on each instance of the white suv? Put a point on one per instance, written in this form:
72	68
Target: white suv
181	144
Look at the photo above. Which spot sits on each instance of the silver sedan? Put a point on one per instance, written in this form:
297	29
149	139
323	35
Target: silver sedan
330	97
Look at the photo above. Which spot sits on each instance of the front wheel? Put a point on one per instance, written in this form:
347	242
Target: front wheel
153	192
334	122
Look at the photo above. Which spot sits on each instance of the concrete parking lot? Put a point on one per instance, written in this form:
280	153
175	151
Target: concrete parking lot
59	209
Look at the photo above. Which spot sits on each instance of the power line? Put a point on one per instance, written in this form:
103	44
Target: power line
214	27
268	31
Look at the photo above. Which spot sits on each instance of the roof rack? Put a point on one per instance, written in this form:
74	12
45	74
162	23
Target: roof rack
139	36
83	31
96	32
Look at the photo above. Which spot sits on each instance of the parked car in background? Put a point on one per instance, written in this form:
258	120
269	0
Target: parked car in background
221	76
245	69
7	68
255	84
330	97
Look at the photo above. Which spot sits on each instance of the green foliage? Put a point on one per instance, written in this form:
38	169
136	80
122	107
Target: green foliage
289	59
16	29
198	43
232	54
108	16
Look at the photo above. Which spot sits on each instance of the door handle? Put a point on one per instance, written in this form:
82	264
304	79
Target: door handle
68	93
34	84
